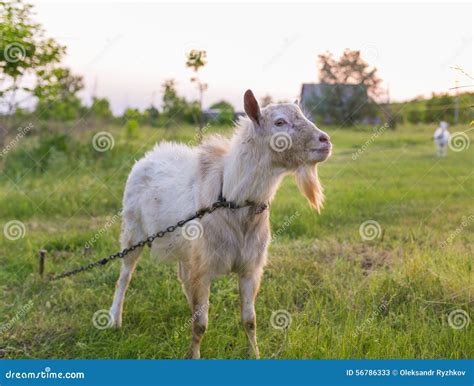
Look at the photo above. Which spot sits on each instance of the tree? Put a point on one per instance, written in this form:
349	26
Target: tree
439	108
56	91
132	117
176	108
226	112
24	51
100	108
349	85
151	116
173	105
349	69
196	59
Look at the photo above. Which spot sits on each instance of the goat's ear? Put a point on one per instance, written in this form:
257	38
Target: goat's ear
251	107
308	183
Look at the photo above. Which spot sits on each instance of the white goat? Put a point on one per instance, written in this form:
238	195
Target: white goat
173	181
441	139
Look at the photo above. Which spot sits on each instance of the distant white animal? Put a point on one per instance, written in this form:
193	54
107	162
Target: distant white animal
173	181
441	139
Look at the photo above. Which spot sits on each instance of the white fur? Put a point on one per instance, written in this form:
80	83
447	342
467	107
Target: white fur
441	139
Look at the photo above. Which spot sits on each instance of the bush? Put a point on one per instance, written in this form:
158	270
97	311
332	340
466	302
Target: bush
132	128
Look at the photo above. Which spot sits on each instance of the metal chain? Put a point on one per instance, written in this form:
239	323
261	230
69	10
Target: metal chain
221	203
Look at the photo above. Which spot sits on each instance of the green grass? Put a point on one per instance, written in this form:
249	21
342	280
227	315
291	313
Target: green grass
320	270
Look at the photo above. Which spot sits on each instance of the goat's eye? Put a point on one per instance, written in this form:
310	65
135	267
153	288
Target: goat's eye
280	122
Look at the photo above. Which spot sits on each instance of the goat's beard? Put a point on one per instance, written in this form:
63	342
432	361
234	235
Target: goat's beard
308	183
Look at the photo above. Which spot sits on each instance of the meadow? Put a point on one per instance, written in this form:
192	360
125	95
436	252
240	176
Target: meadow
399	286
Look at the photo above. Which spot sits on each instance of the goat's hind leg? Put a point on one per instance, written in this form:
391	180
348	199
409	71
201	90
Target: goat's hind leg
200	286
184	278
129	263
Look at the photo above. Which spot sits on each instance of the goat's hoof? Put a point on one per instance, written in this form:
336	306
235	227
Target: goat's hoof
115	323
253	354
191	354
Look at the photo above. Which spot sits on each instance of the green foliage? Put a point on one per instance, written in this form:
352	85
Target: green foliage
24	50
131	113
435	109
38	157
132	128
151	116
226	112
196	59
132	118
173	105
56	92
100	108
176	108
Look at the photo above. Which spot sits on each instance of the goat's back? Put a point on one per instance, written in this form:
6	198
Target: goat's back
161	188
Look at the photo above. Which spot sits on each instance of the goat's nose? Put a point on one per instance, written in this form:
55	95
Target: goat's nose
324	138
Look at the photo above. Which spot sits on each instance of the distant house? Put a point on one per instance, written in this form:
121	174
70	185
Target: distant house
319	90
336	103
210	114
213	114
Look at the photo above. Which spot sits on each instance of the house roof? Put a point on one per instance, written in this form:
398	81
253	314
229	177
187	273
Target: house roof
312	90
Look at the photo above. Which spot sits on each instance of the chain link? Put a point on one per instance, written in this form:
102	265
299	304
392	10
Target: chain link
221	203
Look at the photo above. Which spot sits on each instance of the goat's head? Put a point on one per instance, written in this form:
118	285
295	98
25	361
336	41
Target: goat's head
293	142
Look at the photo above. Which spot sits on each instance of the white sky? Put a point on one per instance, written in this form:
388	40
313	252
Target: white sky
129	49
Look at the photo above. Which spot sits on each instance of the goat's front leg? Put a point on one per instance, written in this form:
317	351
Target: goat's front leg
200	286
248	288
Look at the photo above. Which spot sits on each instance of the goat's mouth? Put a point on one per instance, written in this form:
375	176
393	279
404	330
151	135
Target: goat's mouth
322	150
320	154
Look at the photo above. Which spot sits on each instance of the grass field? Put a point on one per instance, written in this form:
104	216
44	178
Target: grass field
399	295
